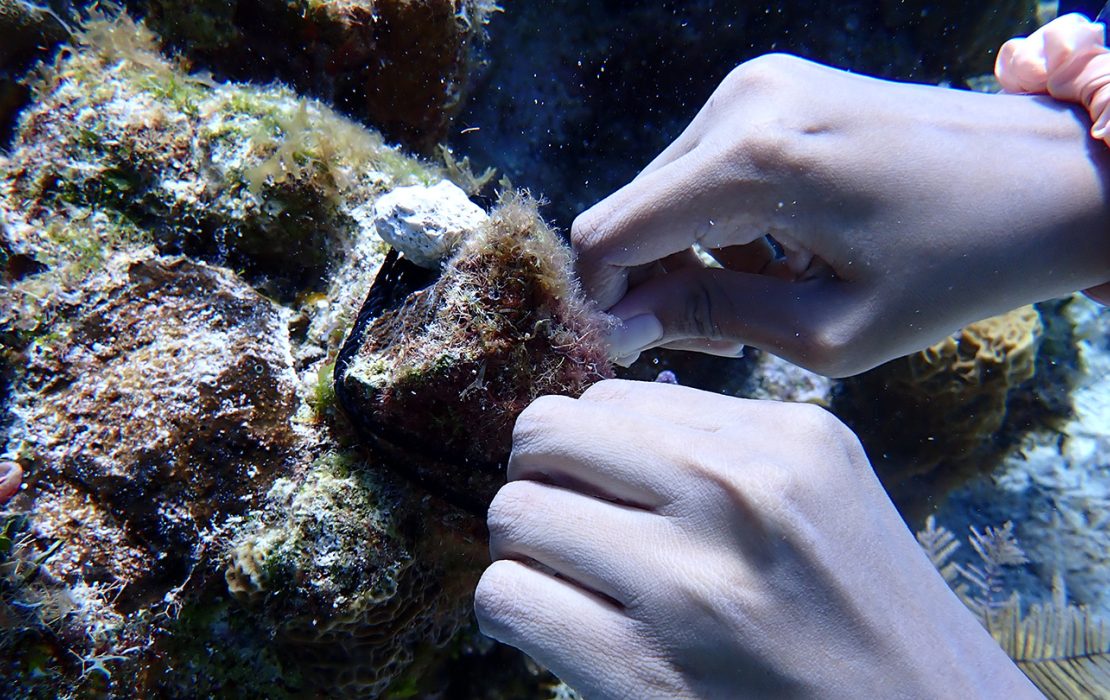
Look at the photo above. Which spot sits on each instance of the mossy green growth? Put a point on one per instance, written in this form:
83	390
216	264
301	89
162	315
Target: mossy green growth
255	178
323	542
332	569
322	398
217	648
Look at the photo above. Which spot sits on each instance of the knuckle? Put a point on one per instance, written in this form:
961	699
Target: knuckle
494	597
586	230
814	420
768	143
827	349
611	390
702	308
764	73
826	443
773	132
814	424
539	420
510	508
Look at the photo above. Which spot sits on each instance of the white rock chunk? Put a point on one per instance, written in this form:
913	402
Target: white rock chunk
426	223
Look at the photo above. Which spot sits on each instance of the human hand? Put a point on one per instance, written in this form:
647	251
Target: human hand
905	212
657	541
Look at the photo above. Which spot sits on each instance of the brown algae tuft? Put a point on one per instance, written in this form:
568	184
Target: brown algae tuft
440	375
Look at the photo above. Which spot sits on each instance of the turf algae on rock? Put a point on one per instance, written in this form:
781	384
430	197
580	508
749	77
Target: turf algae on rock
437	372
181	260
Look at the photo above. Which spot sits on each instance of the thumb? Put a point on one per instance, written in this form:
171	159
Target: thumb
1101	294
714	308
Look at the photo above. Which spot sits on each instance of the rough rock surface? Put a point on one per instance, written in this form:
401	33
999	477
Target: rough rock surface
147	422
404	67
442	373
181	259
933	419
426	224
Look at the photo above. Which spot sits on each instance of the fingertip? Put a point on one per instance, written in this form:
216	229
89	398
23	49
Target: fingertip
1100	294
494	596
633	335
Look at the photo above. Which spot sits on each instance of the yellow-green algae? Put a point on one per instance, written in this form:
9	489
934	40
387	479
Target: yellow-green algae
229	224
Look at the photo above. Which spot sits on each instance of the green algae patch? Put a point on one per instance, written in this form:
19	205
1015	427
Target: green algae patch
349	587
255	178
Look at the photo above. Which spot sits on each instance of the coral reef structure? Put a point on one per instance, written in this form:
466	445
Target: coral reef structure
443	372
349	597
182	258
933	418
404	66
146	422
1055	482
1062	647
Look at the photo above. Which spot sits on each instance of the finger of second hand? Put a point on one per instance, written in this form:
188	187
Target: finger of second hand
592	542
651	218
608	452
718	348
582	638
752	257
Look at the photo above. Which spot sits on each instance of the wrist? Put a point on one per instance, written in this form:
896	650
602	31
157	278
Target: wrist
1067	59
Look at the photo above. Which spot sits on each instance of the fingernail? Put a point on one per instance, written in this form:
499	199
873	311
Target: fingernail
626	361
635	335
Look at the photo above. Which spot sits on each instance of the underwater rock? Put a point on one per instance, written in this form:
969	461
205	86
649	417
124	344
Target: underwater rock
25	26
149	418
933	418
182	259
777	379
439	376
350	597
403	66
161	408
426	224
28	30
254	178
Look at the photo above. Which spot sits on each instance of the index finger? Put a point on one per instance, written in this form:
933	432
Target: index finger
698	198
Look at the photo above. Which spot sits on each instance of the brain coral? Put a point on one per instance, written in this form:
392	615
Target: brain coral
935	415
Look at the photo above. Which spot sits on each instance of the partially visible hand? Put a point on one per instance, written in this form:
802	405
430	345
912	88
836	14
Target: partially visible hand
659	542
1101	294
905	212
